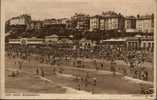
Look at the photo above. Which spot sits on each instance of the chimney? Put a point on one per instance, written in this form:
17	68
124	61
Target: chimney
138	16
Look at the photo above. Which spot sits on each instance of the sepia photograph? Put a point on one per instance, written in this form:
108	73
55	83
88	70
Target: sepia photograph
79	47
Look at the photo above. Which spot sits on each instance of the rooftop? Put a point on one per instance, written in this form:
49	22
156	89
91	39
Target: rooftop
145	16
130	17
111	14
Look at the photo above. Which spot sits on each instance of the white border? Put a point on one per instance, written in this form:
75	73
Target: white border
2	46
155	49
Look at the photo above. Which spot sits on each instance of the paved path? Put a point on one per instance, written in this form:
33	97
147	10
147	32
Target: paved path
137	80
68	89
119	62
102	72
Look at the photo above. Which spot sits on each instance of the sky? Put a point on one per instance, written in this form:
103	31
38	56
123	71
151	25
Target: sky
43	9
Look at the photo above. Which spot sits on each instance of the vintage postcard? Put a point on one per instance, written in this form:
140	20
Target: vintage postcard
78	49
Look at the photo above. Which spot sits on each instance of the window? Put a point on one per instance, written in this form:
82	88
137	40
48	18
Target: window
152	47
152	44
149	45
144	45
136	45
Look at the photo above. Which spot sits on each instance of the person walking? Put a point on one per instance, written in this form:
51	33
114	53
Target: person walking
37	71
94	81
112	68
146	75
42	73
102	65
20	65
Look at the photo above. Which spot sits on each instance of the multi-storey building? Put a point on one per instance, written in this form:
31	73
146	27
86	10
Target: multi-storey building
133	43
36	25
147	43
113	21
144	43
145	24
62	21
21	21
107	21
130	24
102	24
80	22
69	25
95	23
119	44
49	22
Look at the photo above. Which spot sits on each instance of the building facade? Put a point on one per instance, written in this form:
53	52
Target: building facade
36	25
130	24
144	43
69	25
22	20
86	44
114	21
49	22
102	24
62	21
133	43
107	21
95	23
147	44
119	44
145	24
80	22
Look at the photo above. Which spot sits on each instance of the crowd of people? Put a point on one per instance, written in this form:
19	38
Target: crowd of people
55	55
